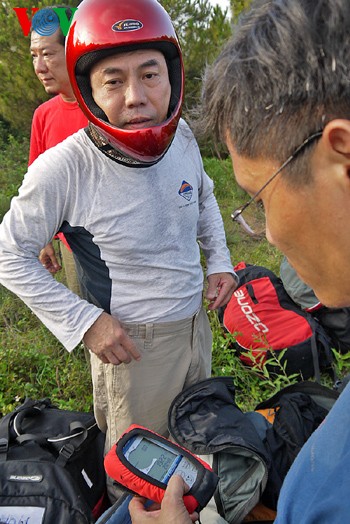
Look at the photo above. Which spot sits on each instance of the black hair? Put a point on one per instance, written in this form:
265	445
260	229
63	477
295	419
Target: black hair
281	77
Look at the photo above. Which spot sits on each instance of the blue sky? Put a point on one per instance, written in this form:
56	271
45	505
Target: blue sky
222	3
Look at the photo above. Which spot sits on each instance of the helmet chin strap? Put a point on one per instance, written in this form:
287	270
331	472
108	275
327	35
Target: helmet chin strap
114	154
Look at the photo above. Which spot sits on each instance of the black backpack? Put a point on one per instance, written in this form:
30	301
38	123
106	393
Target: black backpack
51	466
264	320
251	452
335	321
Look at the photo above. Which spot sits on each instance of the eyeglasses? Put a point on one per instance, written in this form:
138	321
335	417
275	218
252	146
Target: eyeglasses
237	214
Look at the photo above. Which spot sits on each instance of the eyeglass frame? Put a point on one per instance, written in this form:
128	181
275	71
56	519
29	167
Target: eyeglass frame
236	215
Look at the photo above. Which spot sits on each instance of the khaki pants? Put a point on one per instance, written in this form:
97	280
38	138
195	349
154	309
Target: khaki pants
174	356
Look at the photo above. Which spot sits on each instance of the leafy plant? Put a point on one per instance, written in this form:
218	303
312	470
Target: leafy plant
253	383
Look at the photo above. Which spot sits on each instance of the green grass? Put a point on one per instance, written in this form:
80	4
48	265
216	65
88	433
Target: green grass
13	162
34	364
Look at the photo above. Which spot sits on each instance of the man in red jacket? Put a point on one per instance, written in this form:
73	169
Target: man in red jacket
53	122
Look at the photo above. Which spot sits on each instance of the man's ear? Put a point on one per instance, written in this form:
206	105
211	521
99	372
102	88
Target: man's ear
336	136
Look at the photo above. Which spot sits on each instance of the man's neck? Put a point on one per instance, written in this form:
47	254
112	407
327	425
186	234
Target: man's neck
68	97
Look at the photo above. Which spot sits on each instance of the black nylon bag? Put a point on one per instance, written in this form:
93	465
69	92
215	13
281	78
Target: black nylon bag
298	411
252	451
335	321
51	466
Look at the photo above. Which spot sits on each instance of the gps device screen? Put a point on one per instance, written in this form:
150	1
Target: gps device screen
150	458
158	460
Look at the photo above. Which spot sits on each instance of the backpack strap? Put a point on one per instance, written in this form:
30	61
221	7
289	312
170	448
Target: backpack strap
80	434
315	359
65	445
7	427
32	408
11	429
4	446
327	357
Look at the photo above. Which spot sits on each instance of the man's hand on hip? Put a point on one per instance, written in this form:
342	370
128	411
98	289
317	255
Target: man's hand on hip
109	341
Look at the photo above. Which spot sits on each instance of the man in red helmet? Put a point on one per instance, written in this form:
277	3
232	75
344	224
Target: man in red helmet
279	96
133	200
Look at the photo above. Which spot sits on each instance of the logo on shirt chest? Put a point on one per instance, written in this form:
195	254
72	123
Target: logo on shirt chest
186	190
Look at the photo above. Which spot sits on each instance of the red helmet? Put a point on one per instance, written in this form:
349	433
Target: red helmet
104	27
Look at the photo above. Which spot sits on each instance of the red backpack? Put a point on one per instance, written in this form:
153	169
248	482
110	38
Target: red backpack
264	321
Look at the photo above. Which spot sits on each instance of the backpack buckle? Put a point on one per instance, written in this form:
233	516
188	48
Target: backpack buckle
4	445
65	454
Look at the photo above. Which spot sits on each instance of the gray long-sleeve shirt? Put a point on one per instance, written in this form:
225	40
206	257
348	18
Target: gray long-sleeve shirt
134	231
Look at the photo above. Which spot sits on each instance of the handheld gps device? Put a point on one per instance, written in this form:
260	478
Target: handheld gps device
143	462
